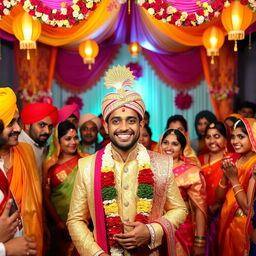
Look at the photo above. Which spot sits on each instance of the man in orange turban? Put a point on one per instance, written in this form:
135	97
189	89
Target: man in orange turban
19	180
38	121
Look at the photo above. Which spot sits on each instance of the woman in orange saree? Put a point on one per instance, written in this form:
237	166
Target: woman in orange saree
215	141
190	237
236	188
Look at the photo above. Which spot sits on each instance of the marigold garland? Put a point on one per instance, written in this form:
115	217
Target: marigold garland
109	195
6	6
67	16
163	10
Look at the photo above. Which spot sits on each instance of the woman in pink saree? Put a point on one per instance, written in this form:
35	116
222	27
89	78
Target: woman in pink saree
190	237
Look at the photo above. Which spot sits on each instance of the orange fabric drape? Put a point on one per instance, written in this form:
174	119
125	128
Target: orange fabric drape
37	73
56	36
26	188
221	74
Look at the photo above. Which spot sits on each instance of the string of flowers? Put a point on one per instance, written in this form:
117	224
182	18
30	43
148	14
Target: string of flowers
251	4
109	195
67	16
163	10
6	6
222	94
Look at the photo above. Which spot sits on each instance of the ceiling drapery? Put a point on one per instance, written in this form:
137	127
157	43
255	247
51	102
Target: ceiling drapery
111	25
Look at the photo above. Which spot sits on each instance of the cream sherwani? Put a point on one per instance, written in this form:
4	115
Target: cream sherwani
82	202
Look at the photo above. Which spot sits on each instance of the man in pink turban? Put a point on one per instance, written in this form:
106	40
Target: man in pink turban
71	113
38	121
89	125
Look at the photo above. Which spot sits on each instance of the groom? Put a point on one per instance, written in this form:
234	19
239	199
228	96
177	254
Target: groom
129	193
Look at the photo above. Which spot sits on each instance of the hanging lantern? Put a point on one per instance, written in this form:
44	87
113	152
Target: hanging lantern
235	19
88	50
27	31
213	39
134	49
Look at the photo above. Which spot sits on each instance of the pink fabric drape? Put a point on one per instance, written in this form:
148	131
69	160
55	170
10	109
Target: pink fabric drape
187	5
56	4
73	75
178	70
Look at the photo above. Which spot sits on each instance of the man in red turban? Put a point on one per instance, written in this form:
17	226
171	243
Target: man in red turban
38	121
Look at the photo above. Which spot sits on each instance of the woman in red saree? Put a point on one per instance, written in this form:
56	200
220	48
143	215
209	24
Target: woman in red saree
215	141
60	169
236	189
190	237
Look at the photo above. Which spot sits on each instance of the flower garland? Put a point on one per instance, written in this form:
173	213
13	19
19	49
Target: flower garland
162	10
67	16
75	99
183	100
6	6
251	4
136	69
43	96
222	94
145	194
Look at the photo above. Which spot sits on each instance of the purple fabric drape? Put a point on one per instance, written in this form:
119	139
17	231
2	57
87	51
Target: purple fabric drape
187	5
73	75
6	36
179	70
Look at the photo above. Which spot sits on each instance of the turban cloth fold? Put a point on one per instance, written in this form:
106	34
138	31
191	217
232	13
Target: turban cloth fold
90	117
125	98
35	112
7	105
66	111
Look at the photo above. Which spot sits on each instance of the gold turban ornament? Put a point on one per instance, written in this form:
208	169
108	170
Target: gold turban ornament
118	77
7	105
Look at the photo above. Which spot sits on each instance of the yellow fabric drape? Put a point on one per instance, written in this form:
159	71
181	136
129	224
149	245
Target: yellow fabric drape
190	36
60	36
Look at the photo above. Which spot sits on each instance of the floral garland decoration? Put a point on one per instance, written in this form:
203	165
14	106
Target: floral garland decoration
162	10
136	69
222	94
68	15
6	6
75	99
183	100
251	4
43	96
145	194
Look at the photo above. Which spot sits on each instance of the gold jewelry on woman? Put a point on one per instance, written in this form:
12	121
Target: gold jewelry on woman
222	186
240	190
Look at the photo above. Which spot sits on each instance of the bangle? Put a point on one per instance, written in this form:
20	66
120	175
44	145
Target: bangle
222	186
199	244
200	237
240	190
236	185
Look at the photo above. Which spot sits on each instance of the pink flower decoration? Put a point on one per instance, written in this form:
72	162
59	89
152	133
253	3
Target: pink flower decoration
75	99
183	100
136	69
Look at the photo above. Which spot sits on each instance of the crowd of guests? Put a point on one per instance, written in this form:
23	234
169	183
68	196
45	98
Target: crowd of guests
39	155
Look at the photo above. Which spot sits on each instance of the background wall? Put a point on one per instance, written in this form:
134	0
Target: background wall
158	97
